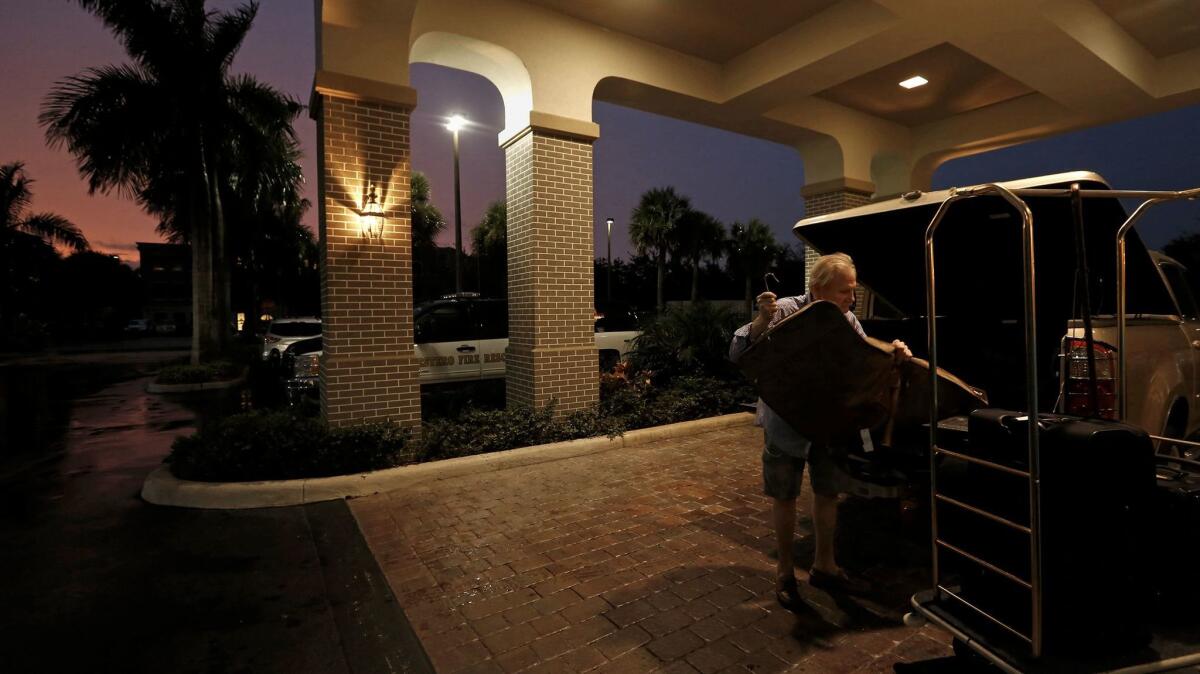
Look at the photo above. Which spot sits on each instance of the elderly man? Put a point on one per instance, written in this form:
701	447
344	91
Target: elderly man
786	452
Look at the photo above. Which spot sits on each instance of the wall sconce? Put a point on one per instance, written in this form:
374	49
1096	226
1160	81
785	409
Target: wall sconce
371	216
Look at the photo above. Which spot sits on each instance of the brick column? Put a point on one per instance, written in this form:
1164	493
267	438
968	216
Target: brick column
828	197
368	370
551	352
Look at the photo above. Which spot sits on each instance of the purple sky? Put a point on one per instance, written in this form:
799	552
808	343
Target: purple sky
732	177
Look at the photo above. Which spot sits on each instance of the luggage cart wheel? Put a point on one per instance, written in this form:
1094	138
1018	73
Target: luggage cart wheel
913	619
971	661
962	650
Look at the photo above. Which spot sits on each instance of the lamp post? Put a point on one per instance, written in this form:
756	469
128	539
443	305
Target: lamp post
455	123
608	284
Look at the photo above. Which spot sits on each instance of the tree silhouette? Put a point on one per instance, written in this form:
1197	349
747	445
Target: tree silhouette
22	234
698	235
427	223
752	249
489	244
179	133
652	228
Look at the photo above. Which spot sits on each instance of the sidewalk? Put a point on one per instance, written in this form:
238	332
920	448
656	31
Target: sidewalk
96	580
653	557
647	558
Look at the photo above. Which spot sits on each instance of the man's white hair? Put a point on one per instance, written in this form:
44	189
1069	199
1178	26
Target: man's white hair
827	267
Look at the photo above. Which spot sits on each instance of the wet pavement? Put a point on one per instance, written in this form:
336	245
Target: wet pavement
650	558
97	580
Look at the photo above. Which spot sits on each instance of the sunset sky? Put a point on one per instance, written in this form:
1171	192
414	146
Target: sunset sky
732	177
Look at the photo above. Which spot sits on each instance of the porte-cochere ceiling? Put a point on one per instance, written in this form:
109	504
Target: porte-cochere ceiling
823	76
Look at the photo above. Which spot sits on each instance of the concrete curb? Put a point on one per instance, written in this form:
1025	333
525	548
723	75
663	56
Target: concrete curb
152	387
163	488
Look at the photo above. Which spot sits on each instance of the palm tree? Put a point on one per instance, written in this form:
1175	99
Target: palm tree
20	229
752	249
427	221
698	235
489	243
652	226
171	128
15	197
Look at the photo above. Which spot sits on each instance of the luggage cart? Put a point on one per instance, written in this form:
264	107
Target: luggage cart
1017	646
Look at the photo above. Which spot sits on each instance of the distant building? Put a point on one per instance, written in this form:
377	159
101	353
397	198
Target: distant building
167	285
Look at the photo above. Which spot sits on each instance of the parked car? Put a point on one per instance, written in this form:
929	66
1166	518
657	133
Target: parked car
301	362
138	327
980	298
282	332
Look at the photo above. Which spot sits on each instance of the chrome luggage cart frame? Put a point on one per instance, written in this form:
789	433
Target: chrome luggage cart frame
929	604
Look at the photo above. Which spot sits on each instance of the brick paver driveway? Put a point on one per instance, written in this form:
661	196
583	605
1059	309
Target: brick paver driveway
646	558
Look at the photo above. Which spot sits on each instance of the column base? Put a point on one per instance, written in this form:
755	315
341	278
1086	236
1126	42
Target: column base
568	376
367	390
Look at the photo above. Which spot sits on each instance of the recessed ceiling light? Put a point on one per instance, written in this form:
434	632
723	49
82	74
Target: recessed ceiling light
914	82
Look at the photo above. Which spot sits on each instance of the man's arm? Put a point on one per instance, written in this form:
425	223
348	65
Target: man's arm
899	349
749	333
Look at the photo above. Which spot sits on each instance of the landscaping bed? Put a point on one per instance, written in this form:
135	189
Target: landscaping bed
677	372
205	373
279	445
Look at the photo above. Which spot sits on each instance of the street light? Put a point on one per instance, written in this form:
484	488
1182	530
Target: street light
608	285
455	123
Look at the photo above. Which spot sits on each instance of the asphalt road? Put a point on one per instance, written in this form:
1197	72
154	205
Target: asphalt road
97	580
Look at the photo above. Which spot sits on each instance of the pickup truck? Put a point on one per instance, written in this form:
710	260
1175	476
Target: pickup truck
462	338
980	299
1163	353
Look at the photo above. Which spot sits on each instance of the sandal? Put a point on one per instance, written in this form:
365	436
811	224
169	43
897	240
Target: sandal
787	593
837	582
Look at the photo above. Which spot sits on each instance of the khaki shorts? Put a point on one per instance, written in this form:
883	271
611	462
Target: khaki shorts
782	472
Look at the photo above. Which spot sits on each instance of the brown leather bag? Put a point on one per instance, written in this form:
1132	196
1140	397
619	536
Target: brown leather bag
828	382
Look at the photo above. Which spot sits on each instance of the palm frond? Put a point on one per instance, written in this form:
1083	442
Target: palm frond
654	219
111	119
145	27
228	31
15	194
54	228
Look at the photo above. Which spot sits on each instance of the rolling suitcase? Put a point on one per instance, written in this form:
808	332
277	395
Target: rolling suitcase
1176	539
1097	481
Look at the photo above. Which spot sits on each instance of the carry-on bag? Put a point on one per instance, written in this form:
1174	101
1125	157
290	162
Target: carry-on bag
1097	483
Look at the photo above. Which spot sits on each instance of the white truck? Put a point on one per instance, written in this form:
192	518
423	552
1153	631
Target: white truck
980	301
1164	398
463	338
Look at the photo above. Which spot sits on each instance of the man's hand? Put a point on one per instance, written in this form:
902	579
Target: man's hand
766	311
900	351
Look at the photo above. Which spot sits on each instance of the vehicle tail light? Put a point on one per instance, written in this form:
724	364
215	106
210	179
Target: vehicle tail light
1076	398
308	365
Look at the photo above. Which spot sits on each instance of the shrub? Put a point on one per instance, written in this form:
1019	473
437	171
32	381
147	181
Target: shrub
481	431
626	404
283	445
691	339
219	370
278	445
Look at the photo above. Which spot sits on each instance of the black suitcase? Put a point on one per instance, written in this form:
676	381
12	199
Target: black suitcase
1176	539
1097	481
